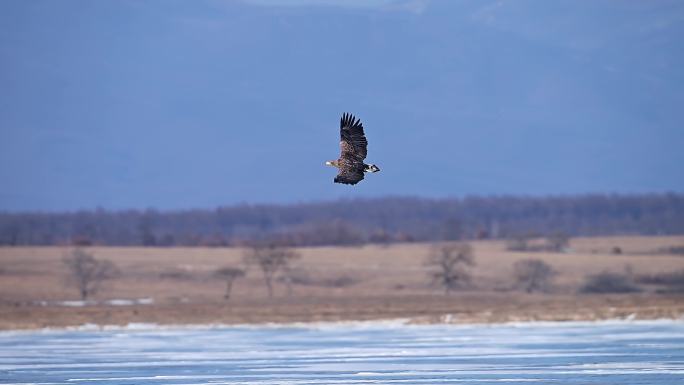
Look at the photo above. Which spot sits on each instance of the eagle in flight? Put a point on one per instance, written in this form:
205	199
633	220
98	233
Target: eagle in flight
353	146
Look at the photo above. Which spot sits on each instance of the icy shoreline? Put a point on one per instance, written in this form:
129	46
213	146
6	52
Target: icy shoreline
352	325
368	352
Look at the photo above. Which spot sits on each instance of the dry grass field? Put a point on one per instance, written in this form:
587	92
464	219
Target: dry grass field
335	283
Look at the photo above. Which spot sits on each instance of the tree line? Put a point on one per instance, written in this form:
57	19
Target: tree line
354	222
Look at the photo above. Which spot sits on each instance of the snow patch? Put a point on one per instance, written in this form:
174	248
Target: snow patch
110	302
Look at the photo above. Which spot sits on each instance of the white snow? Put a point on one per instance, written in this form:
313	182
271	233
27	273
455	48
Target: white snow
110	302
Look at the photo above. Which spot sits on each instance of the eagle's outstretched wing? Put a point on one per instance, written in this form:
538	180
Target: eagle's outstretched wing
353	146
353	141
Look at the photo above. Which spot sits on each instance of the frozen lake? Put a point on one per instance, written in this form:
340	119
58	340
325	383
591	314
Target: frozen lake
364	353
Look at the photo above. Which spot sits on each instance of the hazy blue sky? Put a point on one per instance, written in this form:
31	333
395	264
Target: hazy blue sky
179	104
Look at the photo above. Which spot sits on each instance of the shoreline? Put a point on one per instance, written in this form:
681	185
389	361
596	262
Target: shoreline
466	309
133	327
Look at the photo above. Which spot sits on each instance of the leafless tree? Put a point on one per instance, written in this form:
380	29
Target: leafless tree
558	242
88	273
533	275
229	275
449	265
270	259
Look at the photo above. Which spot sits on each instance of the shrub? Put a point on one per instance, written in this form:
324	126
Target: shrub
676	250
518	243
304	278
607	282
177	274
533	275
675	278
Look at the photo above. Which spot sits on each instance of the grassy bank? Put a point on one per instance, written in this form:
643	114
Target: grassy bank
176	285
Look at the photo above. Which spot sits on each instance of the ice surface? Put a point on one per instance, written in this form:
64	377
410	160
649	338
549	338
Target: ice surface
389	352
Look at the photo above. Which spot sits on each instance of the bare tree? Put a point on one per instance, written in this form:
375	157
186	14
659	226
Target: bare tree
558	242
533	275
88	273
450	263
270	259
229	275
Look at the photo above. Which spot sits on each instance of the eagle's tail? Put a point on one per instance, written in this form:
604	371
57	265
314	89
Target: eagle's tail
370	168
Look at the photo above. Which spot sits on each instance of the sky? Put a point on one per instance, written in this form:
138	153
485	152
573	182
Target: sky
175	104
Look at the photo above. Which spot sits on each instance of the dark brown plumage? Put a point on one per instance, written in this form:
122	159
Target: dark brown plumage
353	146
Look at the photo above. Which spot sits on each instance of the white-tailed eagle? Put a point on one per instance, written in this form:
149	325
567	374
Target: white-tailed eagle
353	146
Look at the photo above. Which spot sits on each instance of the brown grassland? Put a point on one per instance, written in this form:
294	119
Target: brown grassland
333	284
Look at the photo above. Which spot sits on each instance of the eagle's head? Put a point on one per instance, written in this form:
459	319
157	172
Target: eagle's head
332	163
